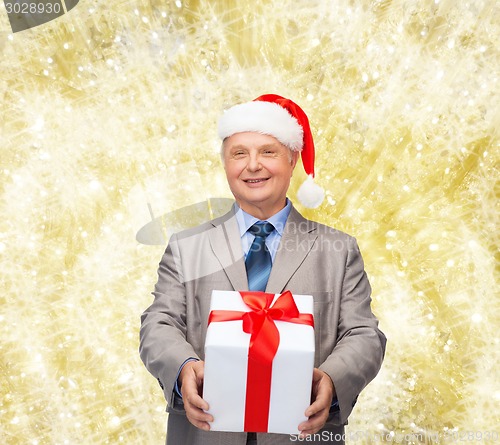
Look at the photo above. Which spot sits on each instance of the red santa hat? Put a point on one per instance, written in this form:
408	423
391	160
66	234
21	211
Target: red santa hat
283	119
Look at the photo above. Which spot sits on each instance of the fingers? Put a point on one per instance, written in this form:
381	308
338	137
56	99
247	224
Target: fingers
199	418
317	413
192	384
314	423
322	392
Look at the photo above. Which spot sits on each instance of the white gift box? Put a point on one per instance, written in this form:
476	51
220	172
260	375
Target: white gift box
226	361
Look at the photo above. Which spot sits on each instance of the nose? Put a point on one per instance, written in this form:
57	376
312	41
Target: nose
254	163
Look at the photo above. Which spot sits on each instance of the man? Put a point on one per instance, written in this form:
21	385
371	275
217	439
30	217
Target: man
262	140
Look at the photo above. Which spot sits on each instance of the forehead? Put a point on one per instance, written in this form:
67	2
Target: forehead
250	139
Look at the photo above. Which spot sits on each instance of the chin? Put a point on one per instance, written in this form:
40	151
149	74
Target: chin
258	198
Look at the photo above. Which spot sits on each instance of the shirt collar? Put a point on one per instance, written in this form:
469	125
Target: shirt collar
278	220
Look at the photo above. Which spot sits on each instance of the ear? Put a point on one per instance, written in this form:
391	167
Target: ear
295	158
223	153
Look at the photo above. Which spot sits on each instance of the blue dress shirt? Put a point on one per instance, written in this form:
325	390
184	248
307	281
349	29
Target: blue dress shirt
278	220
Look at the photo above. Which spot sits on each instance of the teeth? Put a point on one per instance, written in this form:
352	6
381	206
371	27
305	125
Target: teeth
254	180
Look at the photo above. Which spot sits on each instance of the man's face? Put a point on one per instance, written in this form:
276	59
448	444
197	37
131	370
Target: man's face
258	170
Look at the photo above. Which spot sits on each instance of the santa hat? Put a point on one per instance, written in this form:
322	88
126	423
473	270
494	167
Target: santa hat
283	119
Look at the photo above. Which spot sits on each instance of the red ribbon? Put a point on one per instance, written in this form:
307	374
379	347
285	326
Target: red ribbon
264	342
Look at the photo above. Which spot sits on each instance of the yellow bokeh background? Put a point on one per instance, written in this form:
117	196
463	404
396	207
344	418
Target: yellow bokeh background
108	117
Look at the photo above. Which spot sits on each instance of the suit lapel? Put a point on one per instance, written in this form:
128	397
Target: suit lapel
226	244
299	236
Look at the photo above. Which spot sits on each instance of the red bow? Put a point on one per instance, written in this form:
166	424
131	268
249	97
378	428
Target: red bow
264	342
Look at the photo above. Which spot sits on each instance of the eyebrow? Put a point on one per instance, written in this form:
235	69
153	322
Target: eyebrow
244	147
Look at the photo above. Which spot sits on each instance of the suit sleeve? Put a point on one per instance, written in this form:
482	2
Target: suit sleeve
163	346
359	351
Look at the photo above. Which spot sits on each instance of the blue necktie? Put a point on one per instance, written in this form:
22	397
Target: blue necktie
258	262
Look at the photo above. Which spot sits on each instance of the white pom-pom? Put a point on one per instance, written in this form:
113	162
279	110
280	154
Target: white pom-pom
310	194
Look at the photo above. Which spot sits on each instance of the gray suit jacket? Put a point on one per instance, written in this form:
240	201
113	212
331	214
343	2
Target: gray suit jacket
311	259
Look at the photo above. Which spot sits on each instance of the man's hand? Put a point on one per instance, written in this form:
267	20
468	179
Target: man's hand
191	379
323	393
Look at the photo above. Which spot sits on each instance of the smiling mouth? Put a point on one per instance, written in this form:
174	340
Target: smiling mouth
255	181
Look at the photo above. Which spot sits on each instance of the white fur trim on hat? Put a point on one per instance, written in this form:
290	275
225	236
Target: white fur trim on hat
265	118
